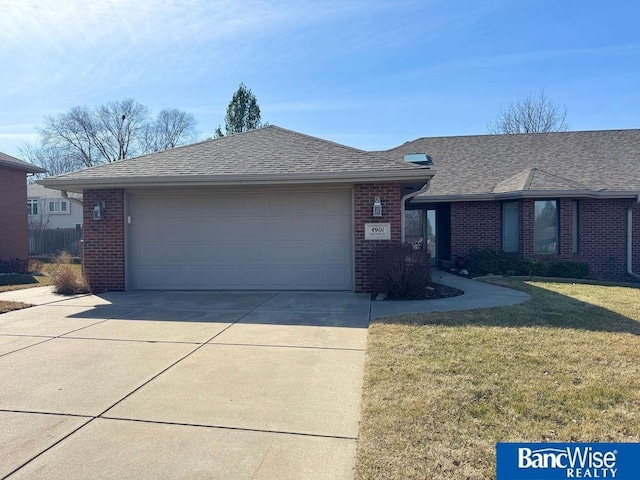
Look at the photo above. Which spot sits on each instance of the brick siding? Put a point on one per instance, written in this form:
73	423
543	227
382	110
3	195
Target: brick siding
364	196
104	247
13	214
474	224
602	233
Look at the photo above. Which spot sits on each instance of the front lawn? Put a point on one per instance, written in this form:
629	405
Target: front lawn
442	388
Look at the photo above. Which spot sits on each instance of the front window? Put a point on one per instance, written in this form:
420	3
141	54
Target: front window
32	206
58	206
510	227
545	227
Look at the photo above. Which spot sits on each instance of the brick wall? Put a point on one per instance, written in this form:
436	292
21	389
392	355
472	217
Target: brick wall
602	233
104	246
603	237
475	224
364	195
13	214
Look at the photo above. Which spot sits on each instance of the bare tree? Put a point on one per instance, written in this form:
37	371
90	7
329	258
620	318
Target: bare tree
171	128
84	137
119	127
532	114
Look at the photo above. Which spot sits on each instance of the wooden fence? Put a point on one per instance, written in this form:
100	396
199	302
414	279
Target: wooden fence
52	242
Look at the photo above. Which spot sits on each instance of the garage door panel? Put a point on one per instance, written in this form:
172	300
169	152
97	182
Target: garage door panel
273	240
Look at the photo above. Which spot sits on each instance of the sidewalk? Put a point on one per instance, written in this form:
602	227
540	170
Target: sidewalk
35	296
476	295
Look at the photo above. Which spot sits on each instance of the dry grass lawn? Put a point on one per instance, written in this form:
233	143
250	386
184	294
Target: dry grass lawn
442	388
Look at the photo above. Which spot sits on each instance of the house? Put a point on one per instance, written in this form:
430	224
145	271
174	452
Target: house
570	196
50	209
13	194
276	209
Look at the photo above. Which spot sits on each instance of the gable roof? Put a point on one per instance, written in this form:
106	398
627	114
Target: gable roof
12	162
592	163
40	191
270	155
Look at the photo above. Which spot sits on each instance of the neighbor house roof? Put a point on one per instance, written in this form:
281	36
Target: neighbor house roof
270	155
39	191
9	161
595	163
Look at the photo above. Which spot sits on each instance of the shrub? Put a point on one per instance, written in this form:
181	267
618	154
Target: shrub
487	261
401	271
15	265
569	270
66	279
35	265
533	267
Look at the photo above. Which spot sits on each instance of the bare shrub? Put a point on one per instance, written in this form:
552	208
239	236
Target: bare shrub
401	271
34	266
66	278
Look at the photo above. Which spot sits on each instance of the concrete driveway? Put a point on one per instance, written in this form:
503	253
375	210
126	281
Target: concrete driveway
183	385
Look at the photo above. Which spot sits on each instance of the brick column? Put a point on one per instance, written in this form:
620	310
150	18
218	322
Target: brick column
103	262
364	195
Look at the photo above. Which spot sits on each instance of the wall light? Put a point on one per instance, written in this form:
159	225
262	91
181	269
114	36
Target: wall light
377	207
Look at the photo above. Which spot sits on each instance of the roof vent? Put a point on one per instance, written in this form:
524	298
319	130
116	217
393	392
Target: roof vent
418	159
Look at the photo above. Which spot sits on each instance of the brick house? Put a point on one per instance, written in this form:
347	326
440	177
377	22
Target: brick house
552	196
276	209
13	198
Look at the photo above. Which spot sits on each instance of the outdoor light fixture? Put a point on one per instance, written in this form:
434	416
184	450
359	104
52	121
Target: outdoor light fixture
98	211
377	207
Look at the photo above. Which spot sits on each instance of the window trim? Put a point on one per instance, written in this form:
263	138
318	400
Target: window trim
58	206
557	206
33	202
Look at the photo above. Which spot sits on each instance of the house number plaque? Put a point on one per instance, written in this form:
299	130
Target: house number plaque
377	231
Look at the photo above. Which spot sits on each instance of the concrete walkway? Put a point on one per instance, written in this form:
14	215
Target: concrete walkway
476	295
157	385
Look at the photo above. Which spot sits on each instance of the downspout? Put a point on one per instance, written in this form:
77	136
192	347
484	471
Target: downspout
404	200
630	238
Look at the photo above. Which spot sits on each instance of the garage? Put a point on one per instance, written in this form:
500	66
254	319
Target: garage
241	239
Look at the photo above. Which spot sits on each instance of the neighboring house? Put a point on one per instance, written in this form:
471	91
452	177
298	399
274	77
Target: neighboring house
276	209
50	209
13	194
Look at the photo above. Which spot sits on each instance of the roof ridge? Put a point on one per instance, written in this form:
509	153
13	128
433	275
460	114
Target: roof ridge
561	178
499	135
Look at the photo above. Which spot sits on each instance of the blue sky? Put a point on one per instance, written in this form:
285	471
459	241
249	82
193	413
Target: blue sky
370	74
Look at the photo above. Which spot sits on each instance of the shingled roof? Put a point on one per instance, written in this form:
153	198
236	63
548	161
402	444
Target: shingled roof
593	163
9	161
268	155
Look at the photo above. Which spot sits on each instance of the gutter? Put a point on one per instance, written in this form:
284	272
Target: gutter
65	194
488	197
403	201
630	238
374	176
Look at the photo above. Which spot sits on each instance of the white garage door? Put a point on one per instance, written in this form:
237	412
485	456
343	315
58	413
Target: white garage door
253	240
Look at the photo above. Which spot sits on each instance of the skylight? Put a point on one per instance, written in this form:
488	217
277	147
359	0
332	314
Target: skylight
418	159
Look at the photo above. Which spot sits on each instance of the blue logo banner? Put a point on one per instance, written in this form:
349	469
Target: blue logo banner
553	461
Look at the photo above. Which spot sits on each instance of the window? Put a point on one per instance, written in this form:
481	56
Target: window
510	227
545	227
420	227
575	227
32	206
414	227
58	206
